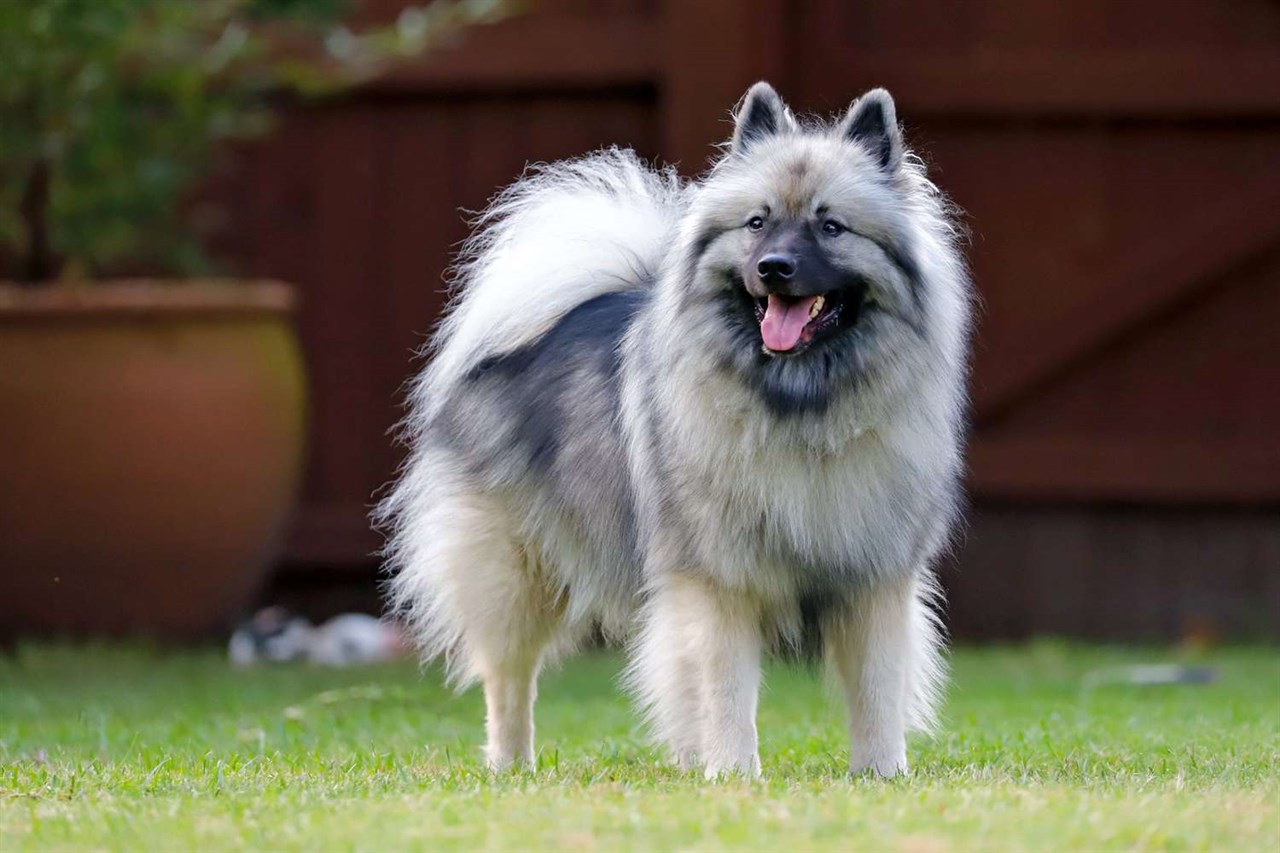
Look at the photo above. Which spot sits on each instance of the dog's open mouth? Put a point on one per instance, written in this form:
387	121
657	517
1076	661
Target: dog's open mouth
788	324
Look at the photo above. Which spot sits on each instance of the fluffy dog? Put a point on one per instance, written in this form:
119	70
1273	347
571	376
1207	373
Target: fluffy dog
713	418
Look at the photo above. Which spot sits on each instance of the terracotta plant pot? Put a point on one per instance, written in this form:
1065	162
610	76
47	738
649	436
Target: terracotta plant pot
152	444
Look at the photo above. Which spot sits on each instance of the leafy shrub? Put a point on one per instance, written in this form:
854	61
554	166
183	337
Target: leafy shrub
111	111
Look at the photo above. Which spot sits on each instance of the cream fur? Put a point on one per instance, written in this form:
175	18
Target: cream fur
668	502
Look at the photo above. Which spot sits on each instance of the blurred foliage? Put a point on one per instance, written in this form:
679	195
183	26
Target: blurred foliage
111	110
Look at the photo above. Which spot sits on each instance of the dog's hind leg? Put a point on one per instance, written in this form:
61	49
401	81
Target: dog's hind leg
510	620
875	646
510	688
477	599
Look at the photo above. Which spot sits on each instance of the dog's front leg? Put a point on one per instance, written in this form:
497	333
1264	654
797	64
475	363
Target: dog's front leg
666	669
730	642
870	646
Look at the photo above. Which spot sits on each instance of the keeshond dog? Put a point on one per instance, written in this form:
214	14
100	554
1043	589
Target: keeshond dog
711	418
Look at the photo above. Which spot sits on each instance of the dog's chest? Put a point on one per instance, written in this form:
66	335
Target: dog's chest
779	517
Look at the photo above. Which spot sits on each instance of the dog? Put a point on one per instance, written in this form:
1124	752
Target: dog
712	418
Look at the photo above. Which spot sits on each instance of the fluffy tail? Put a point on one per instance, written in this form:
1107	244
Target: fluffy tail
564	233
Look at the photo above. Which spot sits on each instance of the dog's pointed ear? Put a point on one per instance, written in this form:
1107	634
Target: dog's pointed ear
872	122
760	114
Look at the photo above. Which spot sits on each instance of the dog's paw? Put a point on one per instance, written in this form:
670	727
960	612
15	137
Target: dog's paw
885	767
746	768
501	760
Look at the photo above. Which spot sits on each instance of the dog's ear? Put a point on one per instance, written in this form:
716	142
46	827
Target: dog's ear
872	122
760	114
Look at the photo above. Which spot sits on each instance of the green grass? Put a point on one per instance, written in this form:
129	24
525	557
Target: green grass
112	748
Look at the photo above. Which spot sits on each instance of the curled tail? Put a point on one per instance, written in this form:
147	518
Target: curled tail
564	233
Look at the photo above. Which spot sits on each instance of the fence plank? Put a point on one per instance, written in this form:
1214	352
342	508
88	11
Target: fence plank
536	53
714	50
1129	83
1195	244
1124	468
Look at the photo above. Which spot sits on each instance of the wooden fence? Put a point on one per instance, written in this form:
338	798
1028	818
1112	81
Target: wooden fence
1119	163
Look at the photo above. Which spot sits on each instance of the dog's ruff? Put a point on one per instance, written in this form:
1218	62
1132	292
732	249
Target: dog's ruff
601	438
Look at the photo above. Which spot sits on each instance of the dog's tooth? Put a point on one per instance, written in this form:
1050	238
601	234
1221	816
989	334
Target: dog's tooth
816	308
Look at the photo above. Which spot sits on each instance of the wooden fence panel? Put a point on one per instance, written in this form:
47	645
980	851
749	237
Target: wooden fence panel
1118	164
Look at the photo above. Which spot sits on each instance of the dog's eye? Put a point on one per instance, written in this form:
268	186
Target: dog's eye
755	223
832	228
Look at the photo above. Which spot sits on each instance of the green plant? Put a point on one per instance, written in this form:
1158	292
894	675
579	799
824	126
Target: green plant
111	111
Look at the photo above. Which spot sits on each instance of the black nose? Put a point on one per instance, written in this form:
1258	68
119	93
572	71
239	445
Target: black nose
773	268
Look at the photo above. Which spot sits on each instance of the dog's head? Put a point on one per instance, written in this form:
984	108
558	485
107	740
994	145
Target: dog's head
804	238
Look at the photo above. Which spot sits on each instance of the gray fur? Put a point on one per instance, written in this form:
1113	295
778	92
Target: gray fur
602	438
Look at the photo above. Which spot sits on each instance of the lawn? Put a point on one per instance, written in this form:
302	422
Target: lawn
110	747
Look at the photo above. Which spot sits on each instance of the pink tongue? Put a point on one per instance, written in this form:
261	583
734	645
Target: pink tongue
784	322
